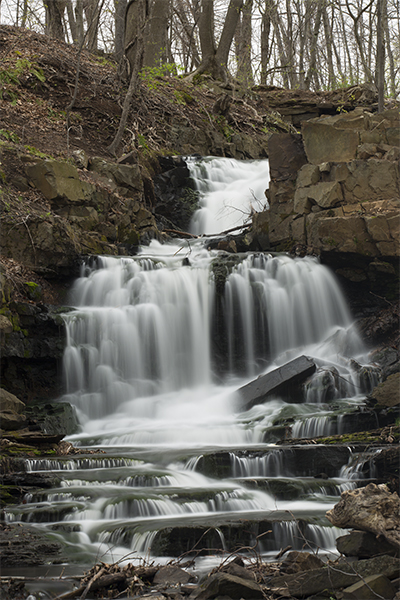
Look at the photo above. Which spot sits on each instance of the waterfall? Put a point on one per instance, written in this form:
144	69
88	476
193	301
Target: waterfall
230	190
156	349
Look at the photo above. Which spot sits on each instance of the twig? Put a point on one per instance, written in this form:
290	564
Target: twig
181	233
381	298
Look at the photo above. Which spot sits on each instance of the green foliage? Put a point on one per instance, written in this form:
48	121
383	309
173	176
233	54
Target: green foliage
153	77
183	97
224	127
36	152
9	136
11	75
57	114
142	142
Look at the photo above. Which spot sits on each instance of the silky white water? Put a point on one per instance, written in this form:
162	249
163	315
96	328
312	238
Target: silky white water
153	361
230	191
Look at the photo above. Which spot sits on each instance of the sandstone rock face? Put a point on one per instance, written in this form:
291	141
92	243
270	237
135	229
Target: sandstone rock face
343	202
94	214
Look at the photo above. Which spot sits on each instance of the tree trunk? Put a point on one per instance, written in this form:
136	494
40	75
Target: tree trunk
54	12
24	13
156	34
92	14
136	16
284	64
313	47
214	60
329	46
243	45
265	45
135	22
380	54
119	20
72	22
228	32
79	22
392	70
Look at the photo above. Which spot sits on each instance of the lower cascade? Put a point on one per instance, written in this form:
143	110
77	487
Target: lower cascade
158	346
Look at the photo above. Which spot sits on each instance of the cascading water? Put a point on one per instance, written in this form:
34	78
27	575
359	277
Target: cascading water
154	356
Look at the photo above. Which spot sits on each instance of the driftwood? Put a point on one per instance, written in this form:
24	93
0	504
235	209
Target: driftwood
372	508
104	576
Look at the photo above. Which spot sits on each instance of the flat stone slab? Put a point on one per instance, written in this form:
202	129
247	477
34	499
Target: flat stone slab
284	381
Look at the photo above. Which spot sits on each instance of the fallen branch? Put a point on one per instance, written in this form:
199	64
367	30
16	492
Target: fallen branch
181	233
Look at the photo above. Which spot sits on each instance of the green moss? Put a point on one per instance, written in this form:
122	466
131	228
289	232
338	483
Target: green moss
330	242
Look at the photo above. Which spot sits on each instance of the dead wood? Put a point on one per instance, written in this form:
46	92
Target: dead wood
372	508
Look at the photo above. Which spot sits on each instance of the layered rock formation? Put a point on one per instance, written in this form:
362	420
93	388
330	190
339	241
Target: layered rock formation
334	191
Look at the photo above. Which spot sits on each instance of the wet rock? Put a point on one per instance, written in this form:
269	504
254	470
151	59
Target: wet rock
363	544
296	562
284	382
224	584
172	575
22	545
373	586
332	577
11	421
57	418
234	568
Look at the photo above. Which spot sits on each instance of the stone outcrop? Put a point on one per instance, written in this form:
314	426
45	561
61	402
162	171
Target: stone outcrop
335	192
102	210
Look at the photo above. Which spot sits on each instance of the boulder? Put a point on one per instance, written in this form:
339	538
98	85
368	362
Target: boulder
374	586
9	402
172	575
284	382
372	508
296	562
58	181
334	576
363	544
387	393
123	175
224	584
11	421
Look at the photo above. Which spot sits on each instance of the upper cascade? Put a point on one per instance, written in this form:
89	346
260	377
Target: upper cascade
230	191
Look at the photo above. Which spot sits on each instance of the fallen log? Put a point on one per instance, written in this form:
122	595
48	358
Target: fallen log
285	382
372	508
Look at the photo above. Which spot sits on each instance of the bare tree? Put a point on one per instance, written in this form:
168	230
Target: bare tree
214	59
243	43
156	33
54	18
380	53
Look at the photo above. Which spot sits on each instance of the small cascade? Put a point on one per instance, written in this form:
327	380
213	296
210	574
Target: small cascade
157	347
267	465
314	427
230	190
360	465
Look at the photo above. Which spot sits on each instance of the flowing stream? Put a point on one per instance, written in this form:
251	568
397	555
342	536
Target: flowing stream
155	354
